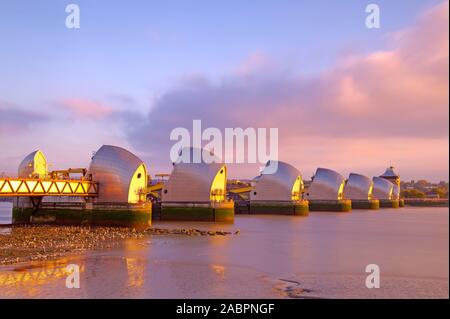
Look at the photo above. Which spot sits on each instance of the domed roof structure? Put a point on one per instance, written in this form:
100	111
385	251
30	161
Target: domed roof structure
390	173
34	165
382	188
326	185
195	181
286	184
358	187
121	175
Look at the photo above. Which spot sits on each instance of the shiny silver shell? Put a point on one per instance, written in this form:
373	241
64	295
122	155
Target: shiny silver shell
113	167
358	187
382	188
326	185
277	186
191	182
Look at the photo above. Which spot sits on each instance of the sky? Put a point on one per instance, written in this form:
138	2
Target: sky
342	96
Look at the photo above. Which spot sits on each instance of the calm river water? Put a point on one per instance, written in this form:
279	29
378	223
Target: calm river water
320	256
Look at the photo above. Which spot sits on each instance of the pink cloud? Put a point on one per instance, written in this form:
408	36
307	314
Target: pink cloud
256	62
86	108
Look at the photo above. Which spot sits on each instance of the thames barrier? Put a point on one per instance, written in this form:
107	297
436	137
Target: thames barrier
116	190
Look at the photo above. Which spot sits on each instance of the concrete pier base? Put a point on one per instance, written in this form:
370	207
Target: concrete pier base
299	208
386	203
222	212
344	205
137	216
365	204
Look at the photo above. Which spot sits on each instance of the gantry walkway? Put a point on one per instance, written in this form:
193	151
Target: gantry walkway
26	187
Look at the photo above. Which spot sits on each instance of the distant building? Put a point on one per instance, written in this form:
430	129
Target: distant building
391	176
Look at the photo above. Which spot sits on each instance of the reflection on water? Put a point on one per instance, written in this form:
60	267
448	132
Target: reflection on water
30	279
325	253
135	269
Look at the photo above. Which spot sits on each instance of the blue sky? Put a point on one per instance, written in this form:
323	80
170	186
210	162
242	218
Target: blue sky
136	47
129	54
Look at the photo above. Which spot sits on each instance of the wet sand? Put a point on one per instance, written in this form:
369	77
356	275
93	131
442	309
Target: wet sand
320	256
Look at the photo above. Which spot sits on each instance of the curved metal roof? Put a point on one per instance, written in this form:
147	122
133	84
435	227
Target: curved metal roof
382	188
277	186
326	185
358	187
191	182
113	168
27	168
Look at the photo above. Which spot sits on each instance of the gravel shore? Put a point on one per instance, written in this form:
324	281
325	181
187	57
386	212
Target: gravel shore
30	243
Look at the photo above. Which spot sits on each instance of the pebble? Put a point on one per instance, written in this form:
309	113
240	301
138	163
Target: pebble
29	243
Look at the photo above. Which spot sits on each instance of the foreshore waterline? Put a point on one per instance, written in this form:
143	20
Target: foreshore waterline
36	243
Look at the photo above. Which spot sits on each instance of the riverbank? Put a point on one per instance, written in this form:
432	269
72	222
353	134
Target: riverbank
33	243
426	202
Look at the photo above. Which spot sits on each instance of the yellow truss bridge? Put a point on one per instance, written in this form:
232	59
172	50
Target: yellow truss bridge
16	187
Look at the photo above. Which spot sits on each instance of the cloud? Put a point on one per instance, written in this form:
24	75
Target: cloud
400	92
256	62
15	120
84	108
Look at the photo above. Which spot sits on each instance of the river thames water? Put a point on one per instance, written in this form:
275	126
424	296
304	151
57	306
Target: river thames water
320	256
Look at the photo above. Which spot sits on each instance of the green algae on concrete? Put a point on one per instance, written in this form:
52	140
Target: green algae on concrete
389	203
299	208
366	204
344	205
209	212
138	217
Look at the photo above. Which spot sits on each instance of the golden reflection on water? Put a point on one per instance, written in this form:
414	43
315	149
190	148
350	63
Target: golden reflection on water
219	270
135	266
135	270
30	278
